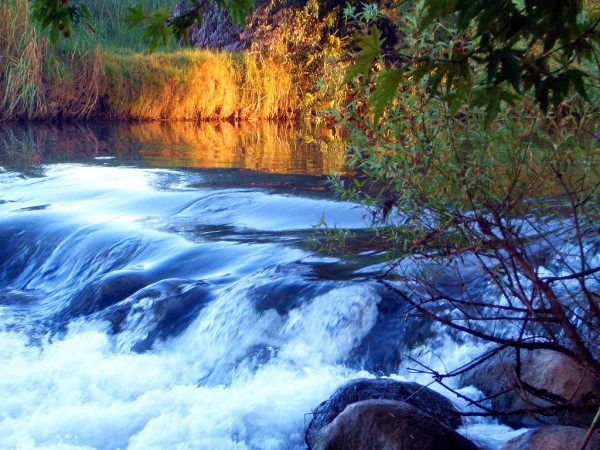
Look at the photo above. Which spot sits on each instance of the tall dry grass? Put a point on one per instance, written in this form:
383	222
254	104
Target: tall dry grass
197	85
75	80
40	82
21	58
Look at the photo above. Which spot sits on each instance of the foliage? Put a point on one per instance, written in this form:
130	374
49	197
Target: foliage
111	30
197	85
306	40
160	25
73	79
489	221
60	16
35	86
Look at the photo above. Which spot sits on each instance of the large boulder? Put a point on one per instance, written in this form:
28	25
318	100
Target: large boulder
421	397
545	370
388	425
555	437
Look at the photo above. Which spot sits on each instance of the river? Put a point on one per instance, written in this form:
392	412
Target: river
159	289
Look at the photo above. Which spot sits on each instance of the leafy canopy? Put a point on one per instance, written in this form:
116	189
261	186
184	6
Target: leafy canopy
530	46
160	25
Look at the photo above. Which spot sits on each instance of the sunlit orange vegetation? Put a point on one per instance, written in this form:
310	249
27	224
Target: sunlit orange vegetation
38	82
197	85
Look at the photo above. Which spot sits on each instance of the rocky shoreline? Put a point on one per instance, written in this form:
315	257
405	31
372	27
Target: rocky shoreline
387	414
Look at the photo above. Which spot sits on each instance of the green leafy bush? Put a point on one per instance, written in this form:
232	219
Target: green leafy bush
474	185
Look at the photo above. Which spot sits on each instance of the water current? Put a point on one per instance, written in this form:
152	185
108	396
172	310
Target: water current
159	290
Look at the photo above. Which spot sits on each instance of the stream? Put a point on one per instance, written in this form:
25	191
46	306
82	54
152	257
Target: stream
159	289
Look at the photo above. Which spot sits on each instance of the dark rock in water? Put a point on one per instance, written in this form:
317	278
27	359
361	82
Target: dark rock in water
108	290
388	425
283	295
392	335
555	437
157	311
428	401
546	370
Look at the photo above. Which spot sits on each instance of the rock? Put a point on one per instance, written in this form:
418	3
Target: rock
157	311
217	31
108	290
389	425
542	369
555	437
392	336
428	401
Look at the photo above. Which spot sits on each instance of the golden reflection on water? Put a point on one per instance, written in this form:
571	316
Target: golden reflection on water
258	146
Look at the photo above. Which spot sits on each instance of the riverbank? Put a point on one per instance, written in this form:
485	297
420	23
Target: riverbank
88	77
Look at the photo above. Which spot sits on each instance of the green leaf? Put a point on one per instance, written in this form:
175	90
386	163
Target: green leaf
135	17
541	96
370	49
239	10
386	88
493	64
157	29
420	71
576	77
436	9
511	70
436	79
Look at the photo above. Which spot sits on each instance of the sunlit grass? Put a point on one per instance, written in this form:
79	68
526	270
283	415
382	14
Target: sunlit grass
195	84
105	75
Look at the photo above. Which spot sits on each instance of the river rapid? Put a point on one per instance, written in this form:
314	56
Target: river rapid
165	294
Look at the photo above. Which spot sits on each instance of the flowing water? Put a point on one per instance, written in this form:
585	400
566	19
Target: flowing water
159	290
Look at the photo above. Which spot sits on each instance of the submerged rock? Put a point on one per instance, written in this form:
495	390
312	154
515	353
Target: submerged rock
393	335
546	370
157	311
108	290
555	437
421	397
388	425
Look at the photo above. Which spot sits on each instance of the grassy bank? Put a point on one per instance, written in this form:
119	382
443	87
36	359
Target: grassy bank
197	85
86	77
34	84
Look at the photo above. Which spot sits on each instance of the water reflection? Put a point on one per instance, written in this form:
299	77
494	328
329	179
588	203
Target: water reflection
257	146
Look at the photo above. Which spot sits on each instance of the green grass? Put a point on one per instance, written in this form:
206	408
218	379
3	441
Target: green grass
111	31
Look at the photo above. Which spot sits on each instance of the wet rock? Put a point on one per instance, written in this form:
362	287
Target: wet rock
428	401
380	352
542	369
108	290
555	437
284	295
157	311
389	425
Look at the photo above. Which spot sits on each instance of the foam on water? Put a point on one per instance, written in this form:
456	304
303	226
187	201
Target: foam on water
82	392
